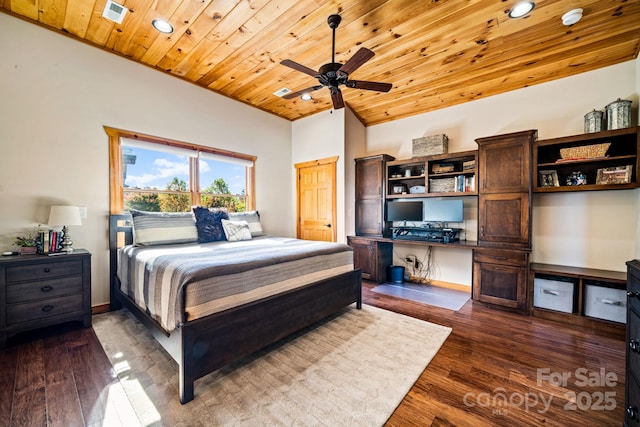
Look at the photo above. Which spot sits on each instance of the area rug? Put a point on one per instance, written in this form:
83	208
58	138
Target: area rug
438	296
351	369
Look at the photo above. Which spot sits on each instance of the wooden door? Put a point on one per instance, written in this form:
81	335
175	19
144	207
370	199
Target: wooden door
316	200
505	163
370	190
504	220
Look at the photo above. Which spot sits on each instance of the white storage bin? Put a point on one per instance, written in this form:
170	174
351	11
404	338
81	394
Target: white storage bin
553	294
605	303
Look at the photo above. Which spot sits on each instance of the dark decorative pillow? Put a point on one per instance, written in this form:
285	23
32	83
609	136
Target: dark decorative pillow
209	224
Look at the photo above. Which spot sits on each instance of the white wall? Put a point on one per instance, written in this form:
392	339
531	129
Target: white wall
589	229
355	146
56	96
317	137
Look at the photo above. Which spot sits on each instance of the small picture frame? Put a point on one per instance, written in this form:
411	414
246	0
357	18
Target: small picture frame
548	178
614	175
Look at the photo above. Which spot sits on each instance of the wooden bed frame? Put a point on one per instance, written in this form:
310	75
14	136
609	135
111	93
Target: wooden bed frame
210	343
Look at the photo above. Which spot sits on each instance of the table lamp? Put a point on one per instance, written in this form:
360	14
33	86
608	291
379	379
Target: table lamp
65	216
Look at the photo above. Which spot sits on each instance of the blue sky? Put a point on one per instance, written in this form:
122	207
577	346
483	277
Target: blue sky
154	169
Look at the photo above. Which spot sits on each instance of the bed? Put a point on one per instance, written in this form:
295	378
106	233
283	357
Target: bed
204	335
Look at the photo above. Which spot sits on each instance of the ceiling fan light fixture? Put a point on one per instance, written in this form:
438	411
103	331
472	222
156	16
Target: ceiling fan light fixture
521	9
572	17
162	26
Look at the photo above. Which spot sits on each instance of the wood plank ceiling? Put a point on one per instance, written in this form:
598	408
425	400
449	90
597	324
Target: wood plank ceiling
436	53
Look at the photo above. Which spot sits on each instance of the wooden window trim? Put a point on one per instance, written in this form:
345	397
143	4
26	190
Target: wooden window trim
116	184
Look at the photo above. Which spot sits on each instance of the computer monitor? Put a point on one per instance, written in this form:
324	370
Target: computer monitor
404	211
443	209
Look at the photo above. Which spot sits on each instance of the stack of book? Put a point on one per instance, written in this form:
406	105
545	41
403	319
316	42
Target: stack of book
49	242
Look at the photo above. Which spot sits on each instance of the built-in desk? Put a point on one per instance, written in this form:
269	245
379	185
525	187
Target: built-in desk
374	254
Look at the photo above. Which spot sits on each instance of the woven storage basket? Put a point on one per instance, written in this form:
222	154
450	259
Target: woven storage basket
585	152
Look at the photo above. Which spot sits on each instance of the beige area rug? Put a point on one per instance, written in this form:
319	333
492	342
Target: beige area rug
350	370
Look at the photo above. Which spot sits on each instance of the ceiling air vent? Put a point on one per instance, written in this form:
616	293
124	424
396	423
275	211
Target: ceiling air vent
282	92
114	12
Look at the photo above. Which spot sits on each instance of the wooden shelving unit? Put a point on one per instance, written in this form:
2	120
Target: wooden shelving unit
441	175
582	278
622	152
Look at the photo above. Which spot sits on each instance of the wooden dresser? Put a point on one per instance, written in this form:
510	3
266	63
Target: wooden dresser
38	291
632	380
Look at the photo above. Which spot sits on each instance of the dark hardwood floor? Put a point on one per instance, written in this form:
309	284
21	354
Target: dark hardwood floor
496	368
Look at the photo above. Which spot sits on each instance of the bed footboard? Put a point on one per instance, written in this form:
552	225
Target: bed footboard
210	343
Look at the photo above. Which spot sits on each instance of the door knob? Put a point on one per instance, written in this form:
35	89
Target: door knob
328	225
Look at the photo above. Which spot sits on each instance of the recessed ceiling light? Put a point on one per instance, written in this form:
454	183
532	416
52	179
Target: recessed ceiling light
162	26
306	97
572	17
521	9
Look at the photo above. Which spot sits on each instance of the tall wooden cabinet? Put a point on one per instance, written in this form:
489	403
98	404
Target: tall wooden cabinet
501	261
370	194
632	372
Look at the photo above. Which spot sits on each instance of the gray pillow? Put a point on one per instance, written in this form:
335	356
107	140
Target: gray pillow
163	228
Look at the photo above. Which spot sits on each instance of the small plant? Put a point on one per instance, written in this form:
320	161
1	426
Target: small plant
28	241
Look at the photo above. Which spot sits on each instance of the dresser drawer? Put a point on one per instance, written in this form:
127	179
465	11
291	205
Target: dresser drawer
504	257
633	342
52	288
42	309
43	271
633	289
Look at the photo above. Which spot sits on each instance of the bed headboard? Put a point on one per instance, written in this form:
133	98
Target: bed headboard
120	234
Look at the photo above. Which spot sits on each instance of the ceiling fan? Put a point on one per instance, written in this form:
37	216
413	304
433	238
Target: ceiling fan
334	74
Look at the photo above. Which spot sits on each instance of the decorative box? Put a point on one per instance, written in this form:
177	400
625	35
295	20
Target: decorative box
442	185
430	145
553	294
605	303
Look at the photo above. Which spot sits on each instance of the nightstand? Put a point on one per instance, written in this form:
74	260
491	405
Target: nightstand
39	290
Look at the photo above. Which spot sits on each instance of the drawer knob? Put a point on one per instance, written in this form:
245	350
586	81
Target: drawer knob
47	270
632	412
501	258
47	308
46	288
634	345
633	294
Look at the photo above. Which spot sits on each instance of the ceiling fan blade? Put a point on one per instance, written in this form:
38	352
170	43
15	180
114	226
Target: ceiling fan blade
377	86
360	57
299	67
300	92
336	97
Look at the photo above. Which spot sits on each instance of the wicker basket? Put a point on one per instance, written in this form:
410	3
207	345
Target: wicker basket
585	152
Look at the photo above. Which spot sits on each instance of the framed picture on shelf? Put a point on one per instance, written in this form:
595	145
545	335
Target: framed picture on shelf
549	178
614	175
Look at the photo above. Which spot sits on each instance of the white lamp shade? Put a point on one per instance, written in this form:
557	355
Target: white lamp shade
64	215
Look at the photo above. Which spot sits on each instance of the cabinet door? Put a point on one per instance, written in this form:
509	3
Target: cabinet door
369	219
369	178
500	284
505	163
363	257
505	219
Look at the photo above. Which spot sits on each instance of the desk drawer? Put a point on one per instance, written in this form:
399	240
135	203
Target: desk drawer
43	271
500	256
42	309
53	288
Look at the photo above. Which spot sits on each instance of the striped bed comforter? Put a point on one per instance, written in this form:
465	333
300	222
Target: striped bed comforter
178	283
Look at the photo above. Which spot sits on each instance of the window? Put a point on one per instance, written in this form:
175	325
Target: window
155	174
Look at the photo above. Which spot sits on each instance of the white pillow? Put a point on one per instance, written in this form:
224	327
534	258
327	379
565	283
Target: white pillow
236	230
253	218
